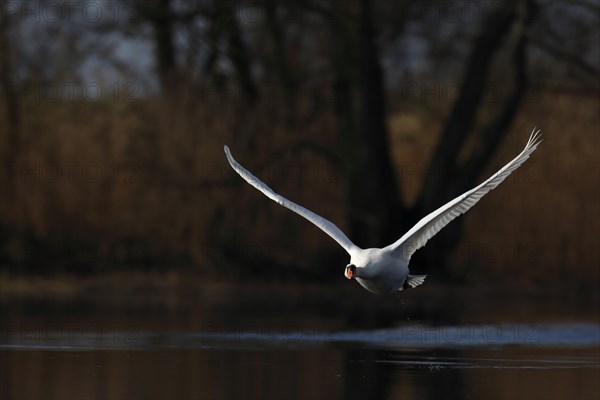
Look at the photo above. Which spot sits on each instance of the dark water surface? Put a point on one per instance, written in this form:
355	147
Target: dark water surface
298	342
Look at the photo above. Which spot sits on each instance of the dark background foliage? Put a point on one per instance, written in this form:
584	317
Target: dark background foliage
371	113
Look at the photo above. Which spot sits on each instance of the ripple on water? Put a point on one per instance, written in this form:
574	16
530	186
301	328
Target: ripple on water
407	336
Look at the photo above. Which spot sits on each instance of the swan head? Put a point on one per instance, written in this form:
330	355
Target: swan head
350	271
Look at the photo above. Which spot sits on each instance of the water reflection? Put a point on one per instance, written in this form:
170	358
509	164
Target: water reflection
250	346
346	372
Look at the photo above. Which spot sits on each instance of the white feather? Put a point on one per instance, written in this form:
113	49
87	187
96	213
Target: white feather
427	227
326	226
386	270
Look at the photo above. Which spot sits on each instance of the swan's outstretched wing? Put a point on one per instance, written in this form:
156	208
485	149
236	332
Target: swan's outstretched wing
427	227
326	226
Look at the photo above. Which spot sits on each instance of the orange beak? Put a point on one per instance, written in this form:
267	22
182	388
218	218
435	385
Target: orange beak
349	272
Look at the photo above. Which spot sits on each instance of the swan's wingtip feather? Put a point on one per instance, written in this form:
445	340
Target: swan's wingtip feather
227	152
534	139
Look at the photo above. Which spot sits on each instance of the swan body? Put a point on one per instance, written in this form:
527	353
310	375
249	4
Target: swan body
385	270
373	263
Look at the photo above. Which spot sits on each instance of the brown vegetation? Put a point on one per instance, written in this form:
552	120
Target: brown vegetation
108	186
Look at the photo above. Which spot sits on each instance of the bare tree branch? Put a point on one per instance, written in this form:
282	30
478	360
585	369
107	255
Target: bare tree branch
495	131
463	115
566	57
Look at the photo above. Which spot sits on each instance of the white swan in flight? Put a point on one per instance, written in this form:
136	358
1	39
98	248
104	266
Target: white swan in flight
385	270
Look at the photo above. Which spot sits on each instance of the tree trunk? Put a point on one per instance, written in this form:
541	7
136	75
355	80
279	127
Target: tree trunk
238	53
10	121
11	126
372	191
492	134
344	86
447	179
464	113
280	56
162	21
